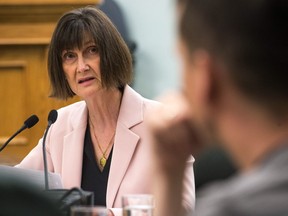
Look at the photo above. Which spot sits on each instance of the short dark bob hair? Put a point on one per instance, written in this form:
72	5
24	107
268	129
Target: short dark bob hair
70	32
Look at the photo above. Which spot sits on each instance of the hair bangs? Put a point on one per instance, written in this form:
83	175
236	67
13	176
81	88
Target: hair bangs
73	35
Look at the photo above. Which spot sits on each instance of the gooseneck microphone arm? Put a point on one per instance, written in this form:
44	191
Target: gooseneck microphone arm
52	117
30	122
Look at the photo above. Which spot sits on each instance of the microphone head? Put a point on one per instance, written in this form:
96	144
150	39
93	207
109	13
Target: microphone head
31	121
52	117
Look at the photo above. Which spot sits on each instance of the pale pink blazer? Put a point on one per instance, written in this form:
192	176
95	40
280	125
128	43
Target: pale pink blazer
130	172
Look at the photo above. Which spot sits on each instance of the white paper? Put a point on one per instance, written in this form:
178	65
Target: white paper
33	176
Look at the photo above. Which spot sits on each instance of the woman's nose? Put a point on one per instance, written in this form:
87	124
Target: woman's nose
82	66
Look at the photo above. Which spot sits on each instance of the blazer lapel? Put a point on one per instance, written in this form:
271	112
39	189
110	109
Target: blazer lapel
131	113
73	150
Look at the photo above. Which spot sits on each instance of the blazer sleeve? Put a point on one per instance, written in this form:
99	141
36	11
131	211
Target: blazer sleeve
188	201
34	160
117	211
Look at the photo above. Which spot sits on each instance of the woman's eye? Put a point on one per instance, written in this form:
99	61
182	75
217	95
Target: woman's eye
68	57
93	50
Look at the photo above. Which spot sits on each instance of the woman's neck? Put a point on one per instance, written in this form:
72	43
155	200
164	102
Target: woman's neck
104	109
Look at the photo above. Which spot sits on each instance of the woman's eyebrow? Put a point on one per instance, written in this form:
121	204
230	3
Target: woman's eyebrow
89	42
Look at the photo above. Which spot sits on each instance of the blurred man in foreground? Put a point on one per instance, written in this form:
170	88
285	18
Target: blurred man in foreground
235	92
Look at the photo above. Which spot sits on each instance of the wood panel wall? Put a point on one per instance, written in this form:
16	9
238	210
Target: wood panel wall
25	30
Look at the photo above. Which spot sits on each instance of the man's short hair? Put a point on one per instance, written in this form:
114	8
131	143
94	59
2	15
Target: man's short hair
250	37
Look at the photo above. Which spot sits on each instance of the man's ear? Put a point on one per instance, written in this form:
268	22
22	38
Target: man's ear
206	84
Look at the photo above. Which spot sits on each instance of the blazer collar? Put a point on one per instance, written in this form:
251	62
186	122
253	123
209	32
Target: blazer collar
130	113
131	109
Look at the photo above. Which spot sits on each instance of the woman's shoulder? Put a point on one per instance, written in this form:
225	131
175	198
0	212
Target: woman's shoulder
134	95
72	107
72	111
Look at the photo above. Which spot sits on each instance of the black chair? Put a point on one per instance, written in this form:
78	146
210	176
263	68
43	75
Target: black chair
212	165
19	197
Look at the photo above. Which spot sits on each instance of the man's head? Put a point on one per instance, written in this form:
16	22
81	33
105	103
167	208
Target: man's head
234	52
249	37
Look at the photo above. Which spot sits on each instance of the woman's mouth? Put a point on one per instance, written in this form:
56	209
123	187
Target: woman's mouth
83	80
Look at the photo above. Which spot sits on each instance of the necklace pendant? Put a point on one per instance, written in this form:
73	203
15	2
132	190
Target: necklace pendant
102	162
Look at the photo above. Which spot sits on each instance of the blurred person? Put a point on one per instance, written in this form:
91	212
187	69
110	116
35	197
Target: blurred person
115	13
235	92
100	143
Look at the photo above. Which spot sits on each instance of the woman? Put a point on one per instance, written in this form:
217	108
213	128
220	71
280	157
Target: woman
98	144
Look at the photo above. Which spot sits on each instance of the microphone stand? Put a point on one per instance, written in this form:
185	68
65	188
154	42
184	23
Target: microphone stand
30	122
52	117
15	134
45	158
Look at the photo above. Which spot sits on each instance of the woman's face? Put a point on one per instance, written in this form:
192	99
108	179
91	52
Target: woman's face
82	69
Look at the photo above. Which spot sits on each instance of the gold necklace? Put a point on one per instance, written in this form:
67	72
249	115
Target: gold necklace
103	159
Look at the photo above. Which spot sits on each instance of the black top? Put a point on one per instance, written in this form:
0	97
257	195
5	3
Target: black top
92	178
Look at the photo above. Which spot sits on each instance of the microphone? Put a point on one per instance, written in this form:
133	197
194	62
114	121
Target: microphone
52	117
30	122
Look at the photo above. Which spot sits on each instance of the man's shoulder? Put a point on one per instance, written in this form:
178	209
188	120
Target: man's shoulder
261	191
